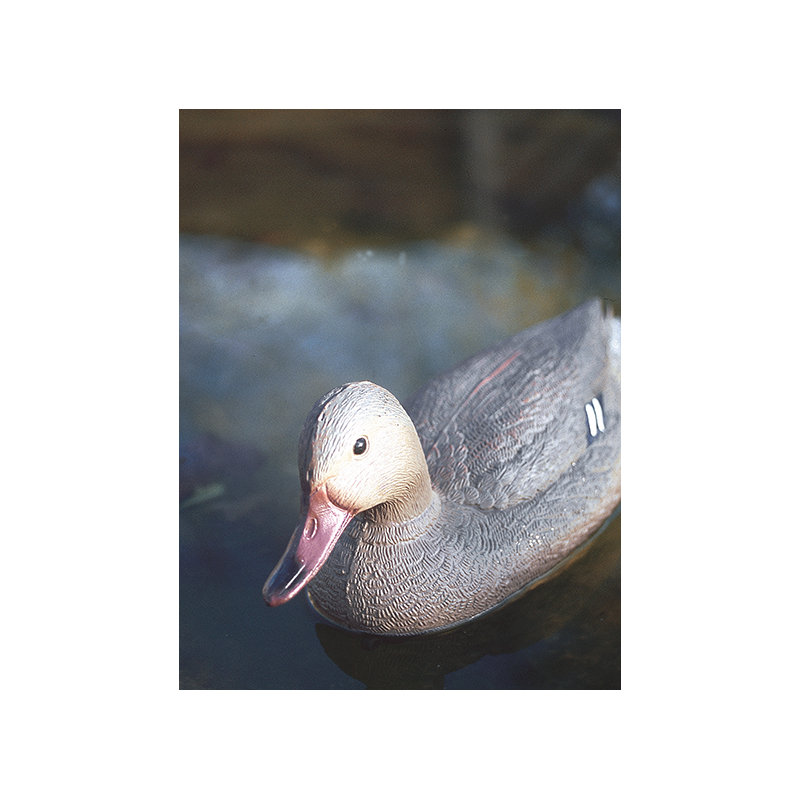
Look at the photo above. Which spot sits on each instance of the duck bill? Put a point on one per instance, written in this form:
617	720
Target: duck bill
309	547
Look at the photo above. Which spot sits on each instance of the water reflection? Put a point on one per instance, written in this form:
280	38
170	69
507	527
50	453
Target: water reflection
264	333
579	607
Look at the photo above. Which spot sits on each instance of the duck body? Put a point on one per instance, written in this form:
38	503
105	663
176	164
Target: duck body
420	520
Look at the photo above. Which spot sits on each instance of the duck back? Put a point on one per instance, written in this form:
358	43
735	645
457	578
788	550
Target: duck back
502	426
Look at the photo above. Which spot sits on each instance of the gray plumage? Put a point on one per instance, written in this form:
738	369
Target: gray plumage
522	445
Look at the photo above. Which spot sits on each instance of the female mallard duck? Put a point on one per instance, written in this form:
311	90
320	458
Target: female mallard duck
421	519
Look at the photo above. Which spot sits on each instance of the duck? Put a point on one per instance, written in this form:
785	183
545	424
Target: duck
421	517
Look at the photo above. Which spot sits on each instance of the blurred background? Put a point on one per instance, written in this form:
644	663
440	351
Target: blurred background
320	247
322	180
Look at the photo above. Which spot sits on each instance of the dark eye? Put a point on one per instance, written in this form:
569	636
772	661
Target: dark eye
360	446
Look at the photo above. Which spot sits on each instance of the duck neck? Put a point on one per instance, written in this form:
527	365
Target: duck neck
409	502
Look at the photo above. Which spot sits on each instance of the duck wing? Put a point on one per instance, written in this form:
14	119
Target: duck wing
506	423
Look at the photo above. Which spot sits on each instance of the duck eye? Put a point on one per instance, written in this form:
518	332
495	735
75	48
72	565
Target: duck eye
360	446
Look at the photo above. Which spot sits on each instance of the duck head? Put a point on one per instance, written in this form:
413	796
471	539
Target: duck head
359	454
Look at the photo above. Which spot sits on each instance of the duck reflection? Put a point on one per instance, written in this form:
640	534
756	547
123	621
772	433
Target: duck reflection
579	604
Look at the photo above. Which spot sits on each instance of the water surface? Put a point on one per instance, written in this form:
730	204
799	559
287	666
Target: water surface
264	333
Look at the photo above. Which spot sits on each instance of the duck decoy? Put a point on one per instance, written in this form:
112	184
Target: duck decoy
422	519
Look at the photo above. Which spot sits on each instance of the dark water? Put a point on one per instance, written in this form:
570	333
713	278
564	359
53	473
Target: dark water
563	634
264	333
